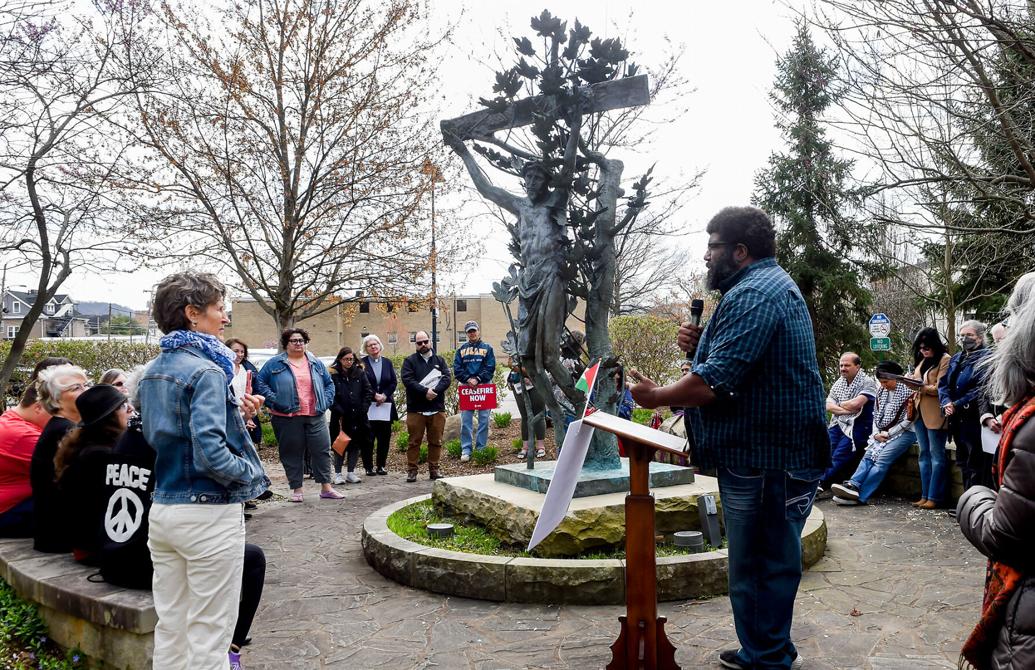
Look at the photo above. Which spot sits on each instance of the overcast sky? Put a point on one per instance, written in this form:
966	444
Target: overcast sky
730	49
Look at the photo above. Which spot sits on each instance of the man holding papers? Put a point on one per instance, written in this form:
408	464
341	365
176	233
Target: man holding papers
426	377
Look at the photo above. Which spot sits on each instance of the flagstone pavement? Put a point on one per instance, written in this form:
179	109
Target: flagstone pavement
898	588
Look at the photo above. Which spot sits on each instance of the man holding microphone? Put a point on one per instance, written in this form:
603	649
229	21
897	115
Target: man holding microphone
755	401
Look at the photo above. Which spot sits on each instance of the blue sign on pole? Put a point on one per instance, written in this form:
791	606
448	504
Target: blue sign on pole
880	325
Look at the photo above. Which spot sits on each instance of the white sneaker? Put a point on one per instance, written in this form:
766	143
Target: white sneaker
338	479
465	457
352	478
845	502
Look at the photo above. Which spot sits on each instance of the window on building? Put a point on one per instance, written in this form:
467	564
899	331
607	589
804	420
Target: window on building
392	338
461	305
48	308
461	337
389	307
413	336
364	308
12	331
16	307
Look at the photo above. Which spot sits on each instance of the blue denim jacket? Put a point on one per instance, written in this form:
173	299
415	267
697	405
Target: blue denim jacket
192	420
279	382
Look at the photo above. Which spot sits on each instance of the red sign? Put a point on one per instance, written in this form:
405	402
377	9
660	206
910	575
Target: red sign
477	397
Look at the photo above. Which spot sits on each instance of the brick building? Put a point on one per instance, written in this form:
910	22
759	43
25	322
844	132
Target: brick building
395	322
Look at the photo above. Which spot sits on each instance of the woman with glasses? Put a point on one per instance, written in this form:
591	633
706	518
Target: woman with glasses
114	377
300	392
931	361
352	398
81	464
57	387
383	380
959	393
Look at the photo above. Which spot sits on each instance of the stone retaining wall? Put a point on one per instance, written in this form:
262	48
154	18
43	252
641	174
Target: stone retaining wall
114	627
904	476
546	580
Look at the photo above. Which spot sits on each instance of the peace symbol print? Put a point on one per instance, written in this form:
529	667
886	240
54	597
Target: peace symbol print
124	515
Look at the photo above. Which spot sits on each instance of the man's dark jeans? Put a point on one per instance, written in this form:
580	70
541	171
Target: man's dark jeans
764	512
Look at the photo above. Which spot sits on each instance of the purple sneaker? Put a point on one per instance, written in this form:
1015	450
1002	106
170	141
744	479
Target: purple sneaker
235	661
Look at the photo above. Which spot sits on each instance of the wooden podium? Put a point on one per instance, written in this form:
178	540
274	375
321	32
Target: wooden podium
641	644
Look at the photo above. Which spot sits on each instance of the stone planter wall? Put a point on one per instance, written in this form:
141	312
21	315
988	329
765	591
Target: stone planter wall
548	580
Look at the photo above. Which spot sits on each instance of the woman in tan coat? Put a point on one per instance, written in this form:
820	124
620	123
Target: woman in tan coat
931	429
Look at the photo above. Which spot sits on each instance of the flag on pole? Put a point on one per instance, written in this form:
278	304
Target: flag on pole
589	376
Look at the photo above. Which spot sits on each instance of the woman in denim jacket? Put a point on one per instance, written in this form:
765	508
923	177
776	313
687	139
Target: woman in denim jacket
205	468
299	392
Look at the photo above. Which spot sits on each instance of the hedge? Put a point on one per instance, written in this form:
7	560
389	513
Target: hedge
452	398
92	355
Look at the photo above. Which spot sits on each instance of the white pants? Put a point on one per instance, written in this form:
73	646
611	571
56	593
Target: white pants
198	553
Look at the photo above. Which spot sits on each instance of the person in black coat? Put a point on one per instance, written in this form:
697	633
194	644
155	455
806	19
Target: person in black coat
381	375
81	466
352	397
426	377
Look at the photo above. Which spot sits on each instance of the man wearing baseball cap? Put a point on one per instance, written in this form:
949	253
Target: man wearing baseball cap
474	364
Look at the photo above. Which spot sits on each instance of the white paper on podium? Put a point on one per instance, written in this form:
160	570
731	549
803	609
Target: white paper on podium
562	485
989	440
382	412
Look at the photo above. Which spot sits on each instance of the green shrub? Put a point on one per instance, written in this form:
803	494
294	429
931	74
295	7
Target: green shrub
453	448
642	415
485	456
24	637
94	357
516	443
501	419
422	455
269	438
397	425
402	441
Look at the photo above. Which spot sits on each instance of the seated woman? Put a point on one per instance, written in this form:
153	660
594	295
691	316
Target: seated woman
58	387
20	429
81	466
891	436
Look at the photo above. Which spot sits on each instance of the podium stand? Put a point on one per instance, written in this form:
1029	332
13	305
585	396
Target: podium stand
641	644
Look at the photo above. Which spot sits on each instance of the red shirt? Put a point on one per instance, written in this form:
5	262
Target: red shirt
17	441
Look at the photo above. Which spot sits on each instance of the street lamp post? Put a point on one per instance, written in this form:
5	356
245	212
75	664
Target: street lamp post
434	175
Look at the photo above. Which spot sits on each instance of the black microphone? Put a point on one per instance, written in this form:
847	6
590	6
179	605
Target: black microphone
696	312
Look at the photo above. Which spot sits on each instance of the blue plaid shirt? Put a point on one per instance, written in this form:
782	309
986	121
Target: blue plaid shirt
758	355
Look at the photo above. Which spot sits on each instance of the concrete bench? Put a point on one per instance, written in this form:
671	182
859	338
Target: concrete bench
113	626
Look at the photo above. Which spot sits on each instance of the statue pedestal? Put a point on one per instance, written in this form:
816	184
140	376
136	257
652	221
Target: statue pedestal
591	482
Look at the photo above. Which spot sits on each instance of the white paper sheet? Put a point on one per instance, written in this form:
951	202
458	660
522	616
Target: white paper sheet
562	485
431	379
382	412
989	440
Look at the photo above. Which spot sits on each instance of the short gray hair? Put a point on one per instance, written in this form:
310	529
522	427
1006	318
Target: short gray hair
979	327
49	390
133	378
371	338
1021	291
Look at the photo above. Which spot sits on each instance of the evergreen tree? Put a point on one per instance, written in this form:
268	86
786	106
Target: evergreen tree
805	190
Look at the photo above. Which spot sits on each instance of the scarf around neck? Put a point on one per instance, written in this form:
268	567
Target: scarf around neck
210	346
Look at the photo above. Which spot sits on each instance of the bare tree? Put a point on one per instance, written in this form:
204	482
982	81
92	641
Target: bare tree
288	140
59	157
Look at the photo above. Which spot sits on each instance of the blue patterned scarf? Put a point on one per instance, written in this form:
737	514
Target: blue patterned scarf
210	345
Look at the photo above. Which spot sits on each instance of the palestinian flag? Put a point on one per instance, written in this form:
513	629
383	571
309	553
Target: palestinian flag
585	382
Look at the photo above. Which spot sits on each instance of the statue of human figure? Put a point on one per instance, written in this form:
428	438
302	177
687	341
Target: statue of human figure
541	232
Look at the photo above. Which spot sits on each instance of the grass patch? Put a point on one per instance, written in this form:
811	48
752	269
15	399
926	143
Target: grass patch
422	454
485	456
501	419
402	441
410	523
453	448
269	438
24	641
516	444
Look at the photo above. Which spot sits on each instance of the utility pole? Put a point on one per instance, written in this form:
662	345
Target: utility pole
109	322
